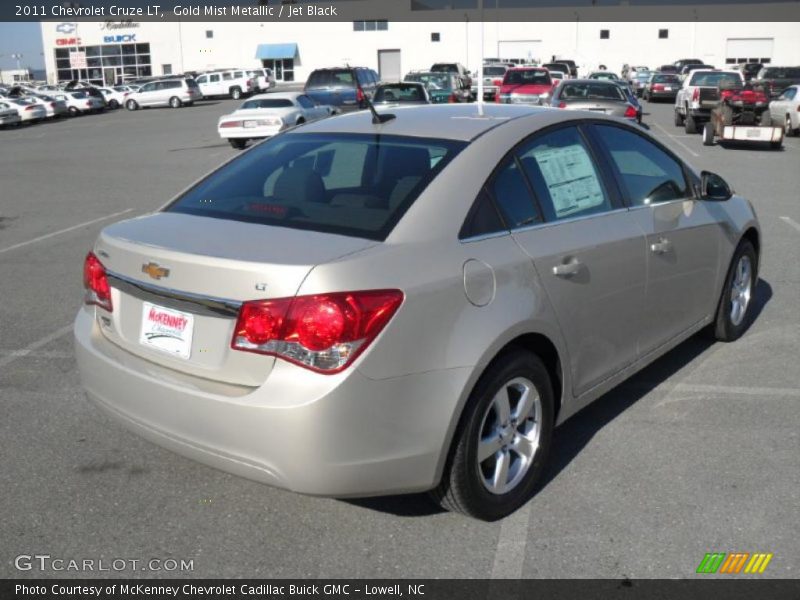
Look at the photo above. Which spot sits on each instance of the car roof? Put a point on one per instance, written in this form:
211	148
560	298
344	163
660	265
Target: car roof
447	121
278	95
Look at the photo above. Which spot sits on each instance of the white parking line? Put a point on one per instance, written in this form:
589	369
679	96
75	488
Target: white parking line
510	553
5	361
791	222
67	230
35	354
677	141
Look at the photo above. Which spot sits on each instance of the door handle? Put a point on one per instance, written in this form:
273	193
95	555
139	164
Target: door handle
567	269
661	246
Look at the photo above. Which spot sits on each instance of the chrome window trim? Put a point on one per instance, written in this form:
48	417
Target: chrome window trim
197	304
485	236
569	220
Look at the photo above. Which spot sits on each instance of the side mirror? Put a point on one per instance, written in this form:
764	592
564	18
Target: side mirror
714	187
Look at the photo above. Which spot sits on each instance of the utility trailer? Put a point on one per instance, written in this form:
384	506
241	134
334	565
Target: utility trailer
741	115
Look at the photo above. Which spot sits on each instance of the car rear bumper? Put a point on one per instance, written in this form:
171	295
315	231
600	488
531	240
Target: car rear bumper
339	435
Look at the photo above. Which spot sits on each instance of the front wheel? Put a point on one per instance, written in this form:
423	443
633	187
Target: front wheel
238	144
733	312
501	446
788	130
74	111
113	104
131	105
678	118
175	102
708	135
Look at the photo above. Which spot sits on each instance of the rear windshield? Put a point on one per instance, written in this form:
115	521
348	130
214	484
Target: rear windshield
349	184
606	75
557	67
268	103
432	81
490	71
527	77
715	78
331	78
191	83
666	78
445	68
780	73
399	92
592	91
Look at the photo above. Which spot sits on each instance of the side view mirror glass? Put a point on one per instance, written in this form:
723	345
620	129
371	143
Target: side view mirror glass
714	187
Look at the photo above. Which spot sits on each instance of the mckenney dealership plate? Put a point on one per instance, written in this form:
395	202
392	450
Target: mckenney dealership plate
167	330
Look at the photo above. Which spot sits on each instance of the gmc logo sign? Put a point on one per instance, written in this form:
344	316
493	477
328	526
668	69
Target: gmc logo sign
116	39
73	41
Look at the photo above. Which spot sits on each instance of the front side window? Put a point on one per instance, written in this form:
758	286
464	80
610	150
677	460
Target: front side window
305	102
648	173
563	175
348	184
213	78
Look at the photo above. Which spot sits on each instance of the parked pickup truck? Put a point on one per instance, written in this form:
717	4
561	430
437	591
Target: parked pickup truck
699	95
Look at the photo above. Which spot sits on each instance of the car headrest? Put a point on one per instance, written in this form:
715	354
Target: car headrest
299	185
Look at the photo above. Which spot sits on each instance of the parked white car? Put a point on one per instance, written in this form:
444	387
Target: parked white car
54	107
29	110
263	77
784	111
114	98
265	115
79	102
8	115
165	92
234	83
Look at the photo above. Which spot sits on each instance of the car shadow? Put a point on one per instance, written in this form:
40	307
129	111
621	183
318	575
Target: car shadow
571	437
751	146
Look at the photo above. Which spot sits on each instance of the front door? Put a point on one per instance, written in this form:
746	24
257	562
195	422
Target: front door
683	235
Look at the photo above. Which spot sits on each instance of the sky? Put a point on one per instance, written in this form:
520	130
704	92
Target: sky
21	38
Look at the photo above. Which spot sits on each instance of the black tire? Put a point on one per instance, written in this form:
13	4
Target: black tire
461	488
131	105
237	143
690	125
788	131
300	121
708	134
175	102
678	118
235	92
724	329
113	104
73	111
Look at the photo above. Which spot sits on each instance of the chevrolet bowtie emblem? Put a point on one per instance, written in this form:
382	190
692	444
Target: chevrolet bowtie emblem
155	271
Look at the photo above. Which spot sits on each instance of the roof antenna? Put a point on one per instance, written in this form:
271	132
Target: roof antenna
480	64
377	118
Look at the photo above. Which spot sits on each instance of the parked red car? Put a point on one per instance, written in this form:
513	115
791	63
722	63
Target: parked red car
526	85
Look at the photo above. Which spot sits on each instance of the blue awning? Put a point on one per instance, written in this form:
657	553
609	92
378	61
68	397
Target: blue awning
275	51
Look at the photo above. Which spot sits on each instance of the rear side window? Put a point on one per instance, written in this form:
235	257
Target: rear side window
649	174
513	196
349	184
564	176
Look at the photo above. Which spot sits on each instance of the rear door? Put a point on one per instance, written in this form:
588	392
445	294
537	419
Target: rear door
587	249
683	235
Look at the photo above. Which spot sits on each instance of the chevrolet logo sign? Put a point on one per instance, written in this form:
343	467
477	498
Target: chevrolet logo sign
155	271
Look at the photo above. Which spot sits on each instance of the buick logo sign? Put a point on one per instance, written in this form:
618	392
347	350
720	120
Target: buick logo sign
66	27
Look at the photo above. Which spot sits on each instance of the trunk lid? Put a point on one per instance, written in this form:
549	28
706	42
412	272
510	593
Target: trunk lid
194	272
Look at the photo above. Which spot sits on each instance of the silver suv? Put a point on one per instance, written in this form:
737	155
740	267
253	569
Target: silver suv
164	92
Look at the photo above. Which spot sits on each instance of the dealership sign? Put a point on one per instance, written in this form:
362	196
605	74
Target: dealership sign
118	25
77	60
70	41
66	28
117	39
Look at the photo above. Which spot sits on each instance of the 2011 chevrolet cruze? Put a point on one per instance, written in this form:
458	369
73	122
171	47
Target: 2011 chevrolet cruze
354	309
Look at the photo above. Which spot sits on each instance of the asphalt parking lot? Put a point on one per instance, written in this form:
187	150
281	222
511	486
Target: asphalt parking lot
698	453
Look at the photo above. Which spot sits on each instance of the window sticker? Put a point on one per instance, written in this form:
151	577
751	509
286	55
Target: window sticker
570	178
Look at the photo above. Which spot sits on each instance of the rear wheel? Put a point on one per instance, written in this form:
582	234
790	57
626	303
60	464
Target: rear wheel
788	130
74	111
131	105
708	135
238	144
175	102
501	445
678	118
733	312
113	104
235	92
690	125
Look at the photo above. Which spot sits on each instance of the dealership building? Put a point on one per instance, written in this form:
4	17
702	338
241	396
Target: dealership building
114	51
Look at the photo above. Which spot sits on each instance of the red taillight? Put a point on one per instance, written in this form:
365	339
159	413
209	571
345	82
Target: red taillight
359	95
89	104
452	98
230	124
96	283
658	87
497	97
324	333
52	105
630	112
696	94
30	108
497	82
562	105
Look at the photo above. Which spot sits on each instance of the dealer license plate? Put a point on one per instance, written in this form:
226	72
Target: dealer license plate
250	124
167	330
